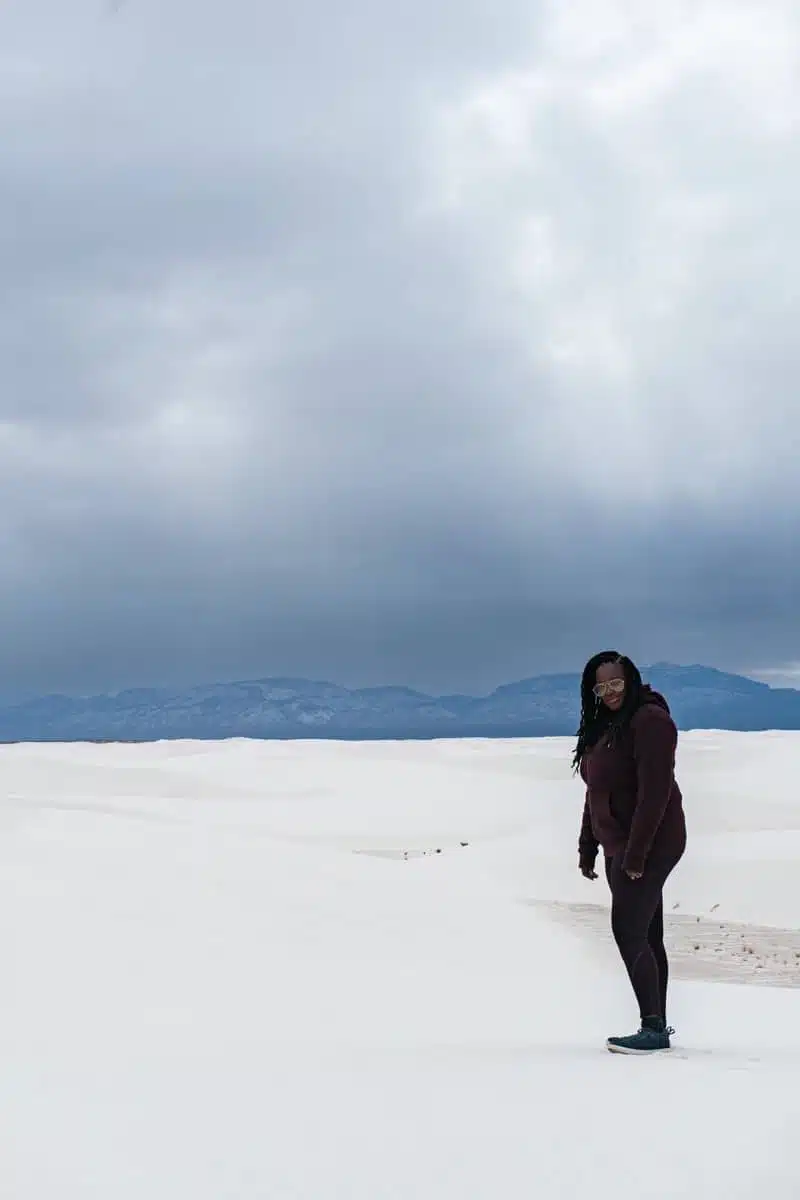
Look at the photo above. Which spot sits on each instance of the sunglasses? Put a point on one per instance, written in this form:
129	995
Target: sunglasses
614	687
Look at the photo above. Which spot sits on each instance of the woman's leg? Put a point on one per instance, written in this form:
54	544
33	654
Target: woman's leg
655	936
636	908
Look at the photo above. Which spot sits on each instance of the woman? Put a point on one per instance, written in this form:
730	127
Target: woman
634	810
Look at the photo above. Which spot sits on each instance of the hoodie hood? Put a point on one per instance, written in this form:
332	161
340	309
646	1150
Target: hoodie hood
649	696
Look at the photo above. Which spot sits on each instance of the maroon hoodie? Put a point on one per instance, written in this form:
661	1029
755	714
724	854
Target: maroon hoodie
633	804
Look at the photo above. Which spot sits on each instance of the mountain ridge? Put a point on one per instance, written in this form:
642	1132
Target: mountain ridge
284	707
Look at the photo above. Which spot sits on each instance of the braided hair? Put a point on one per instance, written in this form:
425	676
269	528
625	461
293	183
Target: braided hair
596	719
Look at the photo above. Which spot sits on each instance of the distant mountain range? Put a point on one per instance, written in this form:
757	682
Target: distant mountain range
545	706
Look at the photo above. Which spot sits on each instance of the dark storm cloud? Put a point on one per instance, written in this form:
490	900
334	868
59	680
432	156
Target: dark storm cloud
379	344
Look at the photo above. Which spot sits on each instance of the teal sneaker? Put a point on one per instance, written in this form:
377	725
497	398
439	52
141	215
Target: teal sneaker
647	1041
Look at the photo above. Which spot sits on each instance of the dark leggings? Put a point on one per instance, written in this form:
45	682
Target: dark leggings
637	923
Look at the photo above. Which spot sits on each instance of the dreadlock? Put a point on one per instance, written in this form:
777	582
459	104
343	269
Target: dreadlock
596	719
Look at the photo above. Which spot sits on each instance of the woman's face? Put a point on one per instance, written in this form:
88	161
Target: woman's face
610	685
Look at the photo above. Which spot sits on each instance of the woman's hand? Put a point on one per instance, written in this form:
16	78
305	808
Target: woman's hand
634	875
588	872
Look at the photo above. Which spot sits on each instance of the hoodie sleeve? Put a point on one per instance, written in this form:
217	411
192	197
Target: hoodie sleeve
587	842
655	740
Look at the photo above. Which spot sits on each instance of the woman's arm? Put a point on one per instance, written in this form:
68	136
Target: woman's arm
655	738
587	842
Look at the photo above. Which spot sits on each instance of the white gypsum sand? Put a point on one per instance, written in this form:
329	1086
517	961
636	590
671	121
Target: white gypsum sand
241	971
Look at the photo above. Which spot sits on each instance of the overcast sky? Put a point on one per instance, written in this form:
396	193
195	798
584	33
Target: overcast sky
390	341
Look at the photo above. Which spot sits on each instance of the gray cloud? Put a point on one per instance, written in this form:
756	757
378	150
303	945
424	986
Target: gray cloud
383	345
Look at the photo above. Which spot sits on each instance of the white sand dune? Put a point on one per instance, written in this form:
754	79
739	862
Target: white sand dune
241	971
